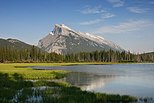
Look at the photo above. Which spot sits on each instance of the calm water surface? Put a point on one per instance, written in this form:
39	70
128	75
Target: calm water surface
129	79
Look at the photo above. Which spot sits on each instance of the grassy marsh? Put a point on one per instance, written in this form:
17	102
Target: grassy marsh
29	73
16	87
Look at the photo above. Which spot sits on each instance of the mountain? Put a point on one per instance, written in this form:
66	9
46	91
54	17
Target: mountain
148	54
14	43
64	40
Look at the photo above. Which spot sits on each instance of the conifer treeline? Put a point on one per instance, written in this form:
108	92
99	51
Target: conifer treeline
8	54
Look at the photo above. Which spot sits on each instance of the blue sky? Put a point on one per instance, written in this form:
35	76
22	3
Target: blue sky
129	23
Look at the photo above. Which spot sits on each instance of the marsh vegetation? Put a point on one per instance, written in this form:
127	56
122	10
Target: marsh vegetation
14	89
19	86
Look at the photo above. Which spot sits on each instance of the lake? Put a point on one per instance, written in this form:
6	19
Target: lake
125	79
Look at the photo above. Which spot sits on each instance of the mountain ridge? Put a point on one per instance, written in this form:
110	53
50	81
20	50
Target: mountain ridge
64	40
15	43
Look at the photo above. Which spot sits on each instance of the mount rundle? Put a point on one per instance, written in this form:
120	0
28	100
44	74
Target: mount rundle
63	40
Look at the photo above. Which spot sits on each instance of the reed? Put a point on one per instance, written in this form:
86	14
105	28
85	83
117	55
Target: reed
15	89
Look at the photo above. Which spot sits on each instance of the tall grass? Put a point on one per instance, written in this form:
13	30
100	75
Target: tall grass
15	89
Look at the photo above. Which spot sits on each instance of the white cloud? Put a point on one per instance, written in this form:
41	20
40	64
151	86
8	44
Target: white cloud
91	22
104	16
102	13
137	10
107	15
92	10
125	27
116	3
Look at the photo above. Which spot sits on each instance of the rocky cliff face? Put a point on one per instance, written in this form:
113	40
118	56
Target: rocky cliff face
64	40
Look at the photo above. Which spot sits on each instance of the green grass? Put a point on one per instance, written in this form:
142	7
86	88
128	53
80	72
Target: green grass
29	73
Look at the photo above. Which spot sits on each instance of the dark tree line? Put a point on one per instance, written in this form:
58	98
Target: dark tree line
9	54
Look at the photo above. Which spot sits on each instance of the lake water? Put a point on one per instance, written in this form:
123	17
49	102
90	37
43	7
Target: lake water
125	79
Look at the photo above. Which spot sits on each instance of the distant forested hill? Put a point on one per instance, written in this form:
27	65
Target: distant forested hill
14	43
147	57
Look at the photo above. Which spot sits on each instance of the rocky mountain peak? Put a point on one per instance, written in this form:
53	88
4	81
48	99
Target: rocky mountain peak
61	29
64	40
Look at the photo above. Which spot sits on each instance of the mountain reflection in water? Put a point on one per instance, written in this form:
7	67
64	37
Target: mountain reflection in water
124	79
88	81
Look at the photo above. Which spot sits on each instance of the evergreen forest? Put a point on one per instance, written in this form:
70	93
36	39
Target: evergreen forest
12	55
